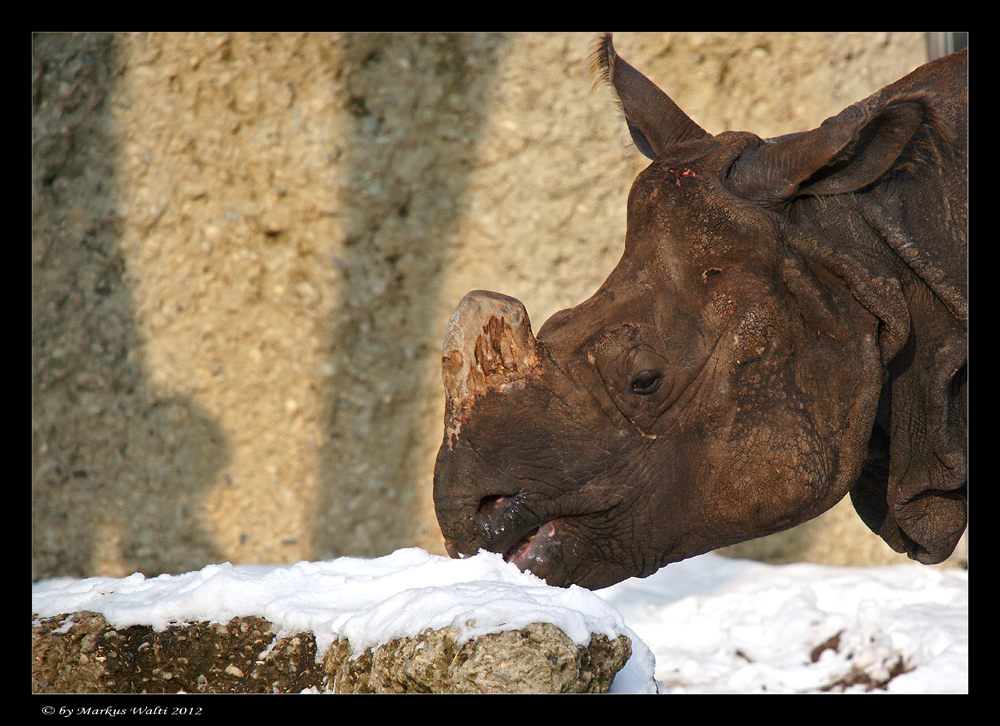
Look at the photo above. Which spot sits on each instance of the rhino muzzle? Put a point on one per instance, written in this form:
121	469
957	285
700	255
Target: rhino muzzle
488	347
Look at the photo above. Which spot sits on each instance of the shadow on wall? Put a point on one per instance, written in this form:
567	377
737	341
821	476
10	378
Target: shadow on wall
115	473
120	475
416	108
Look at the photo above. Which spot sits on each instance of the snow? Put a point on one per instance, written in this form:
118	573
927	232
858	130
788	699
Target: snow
714	625
718	625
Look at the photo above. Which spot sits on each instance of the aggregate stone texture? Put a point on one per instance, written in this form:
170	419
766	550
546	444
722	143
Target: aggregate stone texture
82	653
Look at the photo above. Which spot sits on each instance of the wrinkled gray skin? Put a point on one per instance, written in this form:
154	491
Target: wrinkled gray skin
787	324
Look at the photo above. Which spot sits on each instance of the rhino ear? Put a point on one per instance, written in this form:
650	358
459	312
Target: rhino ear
654	121
847	152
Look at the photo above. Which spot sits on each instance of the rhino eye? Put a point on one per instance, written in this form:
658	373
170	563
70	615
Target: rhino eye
646	382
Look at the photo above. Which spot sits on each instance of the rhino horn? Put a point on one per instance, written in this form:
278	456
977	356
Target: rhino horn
654	120
488	346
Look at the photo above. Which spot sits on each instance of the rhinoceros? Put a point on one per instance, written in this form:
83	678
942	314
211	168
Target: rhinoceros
787	324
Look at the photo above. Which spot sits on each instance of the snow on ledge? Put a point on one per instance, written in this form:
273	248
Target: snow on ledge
367	601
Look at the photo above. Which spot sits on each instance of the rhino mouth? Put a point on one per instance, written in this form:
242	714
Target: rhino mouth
536	546
536	552
506	525
521	547
517	552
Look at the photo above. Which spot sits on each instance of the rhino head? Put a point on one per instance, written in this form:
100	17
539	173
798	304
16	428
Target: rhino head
737	373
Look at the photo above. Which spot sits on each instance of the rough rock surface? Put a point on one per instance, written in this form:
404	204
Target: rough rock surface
89	656
82	653
537	659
